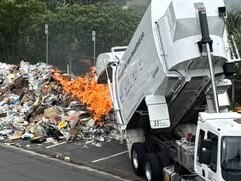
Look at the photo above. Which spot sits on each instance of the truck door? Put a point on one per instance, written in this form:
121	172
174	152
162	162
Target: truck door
212	168
208	171
201	135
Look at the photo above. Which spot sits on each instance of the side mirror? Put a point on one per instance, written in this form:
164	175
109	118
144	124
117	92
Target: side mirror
205	157
207	144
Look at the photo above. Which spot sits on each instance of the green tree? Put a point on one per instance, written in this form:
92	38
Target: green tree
71	27
52	4
15	17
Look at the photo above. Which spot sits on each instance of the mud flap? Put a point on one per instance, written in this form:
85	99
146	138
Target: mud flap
158	111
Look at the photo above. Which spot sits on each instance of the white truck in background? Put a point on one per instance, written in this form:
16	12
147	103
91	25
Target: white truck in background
169	93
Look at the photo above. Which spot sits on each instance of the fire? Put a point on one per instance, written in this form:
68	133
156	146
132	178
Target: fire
95	96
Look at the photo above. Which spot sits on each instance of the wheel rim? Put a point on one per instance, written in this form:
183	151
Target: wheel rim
148	171
135	160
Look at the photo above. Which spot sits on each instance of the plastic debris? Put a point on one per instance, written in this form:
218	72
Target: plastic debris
62	124
67	159
6	132
27	136
35	106
51	140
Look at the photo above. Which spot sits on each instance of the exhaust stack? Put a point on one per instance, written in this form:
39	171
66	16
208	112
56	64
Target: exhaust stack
206	43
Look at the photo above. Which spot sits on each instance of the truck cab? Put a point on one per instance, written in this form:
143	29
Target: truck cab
218	145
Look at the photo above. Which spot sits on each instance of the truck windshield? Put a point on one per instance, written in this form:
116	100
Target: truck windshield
231	153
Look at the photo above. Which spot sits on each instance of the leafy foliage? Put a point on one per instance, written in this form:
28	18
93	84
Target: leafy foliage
15	17
234	28
70	29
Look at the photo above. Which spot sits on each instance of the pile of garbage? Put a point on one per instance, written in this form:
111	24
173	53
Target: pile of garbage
34	107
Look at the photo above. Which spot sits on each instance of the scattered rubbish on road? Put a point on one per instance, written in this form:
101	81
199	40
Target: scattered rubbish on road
39	104
67	159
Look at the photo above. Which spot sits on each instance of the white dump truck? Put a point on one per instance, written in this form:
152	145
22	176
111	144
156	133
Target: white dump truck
169	93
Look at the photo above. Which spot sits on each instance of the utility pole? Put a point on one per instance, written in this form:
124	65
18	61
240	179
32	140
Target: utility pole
94	40
47	42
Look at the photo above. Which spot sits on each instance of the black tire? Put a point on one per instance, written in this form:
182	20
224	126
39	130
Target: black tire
138	152
152	168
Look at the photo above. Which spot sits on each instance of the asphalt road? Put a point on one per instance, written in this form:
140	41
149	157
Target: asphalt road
16	165
111	157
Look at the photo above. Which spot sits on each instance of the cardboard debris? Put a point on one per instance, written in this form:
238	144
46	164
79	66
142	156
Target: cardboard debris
35	107
51	113
17	134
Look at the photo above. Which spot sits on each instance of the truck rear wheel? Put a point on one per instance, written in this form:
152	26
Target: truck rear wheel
152	167
138	152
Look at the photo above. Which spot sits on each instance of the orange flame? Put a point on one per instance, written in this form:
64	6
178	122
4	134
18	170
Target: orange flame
86	90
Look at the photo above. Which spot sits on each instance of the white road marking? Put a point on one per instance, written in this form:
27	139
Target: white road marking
80	167
51	146
111	156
